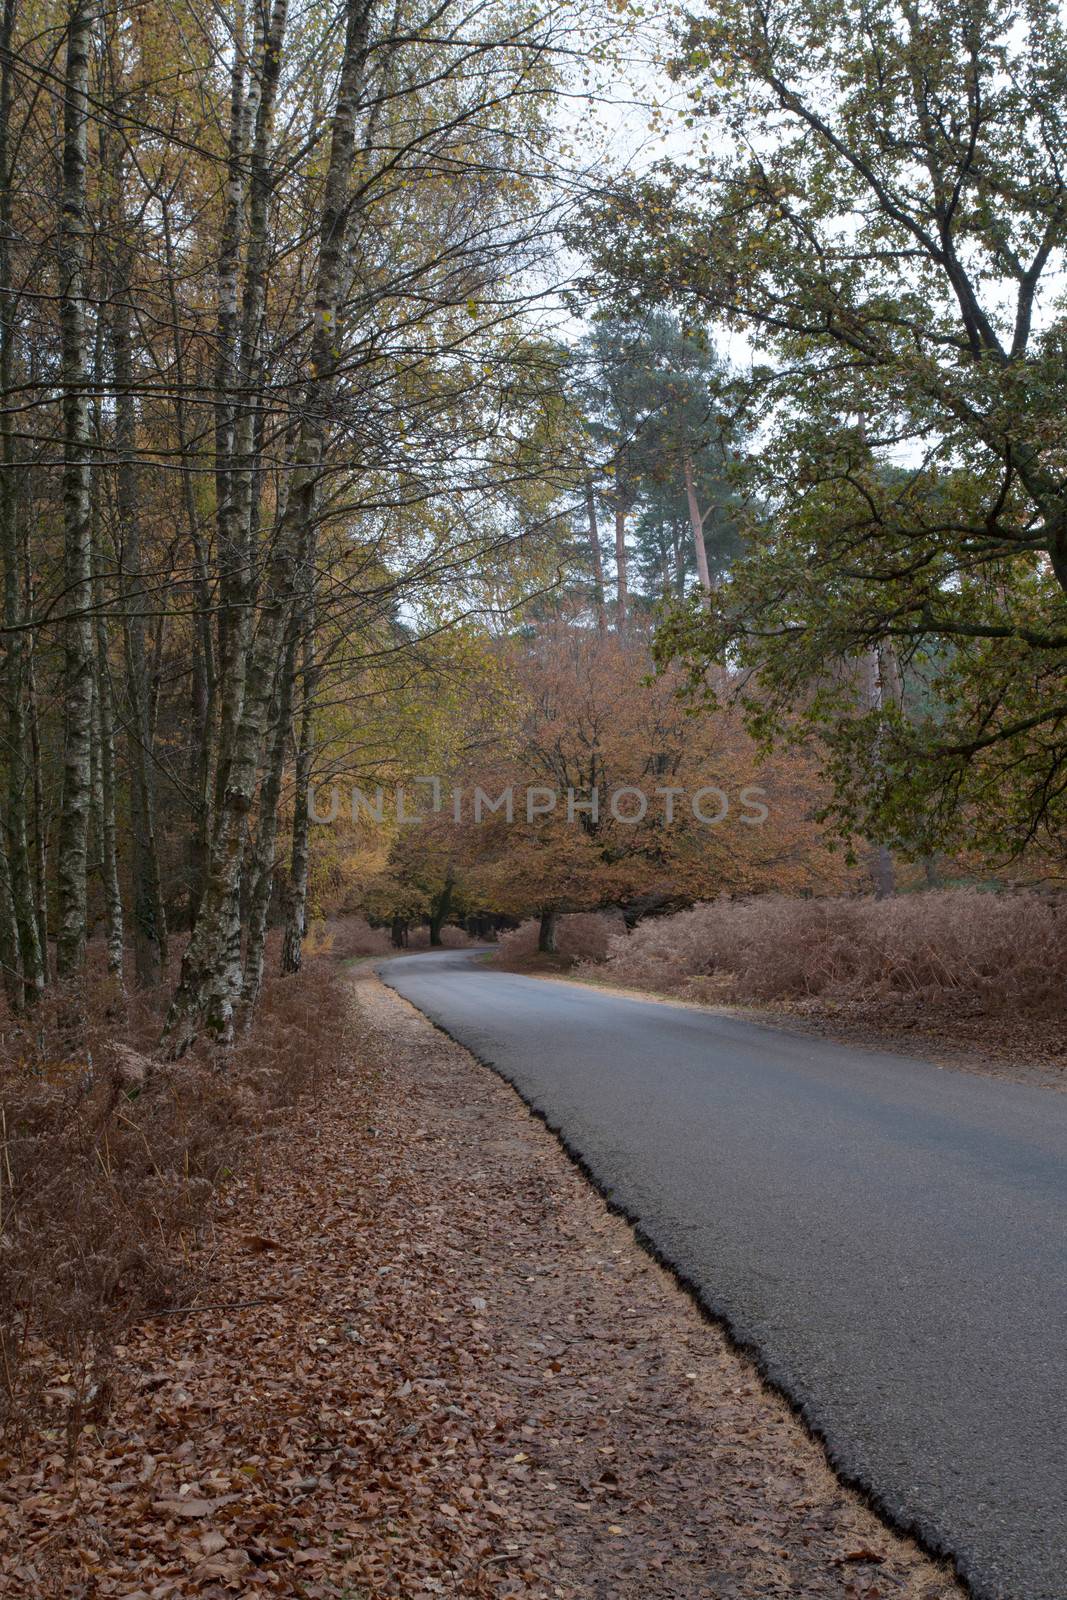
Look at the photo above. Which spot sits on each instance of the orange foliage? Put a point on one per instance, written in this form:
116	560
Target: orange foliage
593	718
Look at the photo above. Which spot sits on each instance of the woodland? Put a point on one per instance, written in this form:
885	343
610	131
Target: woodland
447	395
352	430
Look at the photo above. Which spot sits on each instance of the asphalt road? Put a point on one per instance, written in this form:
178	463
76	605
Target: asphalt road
890	1237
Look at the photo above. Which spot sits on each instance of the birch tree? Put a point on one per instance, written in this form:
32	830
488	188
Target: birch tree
71	861
263	389
23	939
210	978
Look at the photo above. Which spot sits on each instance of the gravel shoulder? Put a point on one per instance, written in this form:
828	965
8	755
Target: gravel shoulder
461	1376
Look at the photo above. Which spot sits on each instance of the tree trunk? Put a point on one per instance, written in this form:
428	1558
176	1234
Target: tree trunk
267	832
546	933
149	918
245	490
10	960
40	819
24	911
109	859
296	900
238	518
595	552
677	552
71	865
210	978
202	702
204	678
439	911
623	599
883	871
696	522
231	617
102	755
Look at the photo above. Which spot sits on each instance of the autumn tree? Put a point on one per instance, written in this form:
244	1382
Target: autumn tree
244	320
608	794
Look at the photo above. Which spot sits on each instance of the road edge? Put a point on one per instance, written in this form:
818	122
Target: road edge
926	1539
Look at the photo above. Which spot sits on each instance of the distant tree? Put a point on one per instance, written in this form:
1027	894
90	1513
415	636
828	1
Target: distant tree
592	718
613	390
663	448
688	448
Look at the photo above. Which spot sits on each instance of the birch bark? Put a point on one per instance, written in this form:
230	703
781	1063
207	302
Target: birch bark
71	861
149	918
296	899
210	975
105	732
262	862
231	613
26	944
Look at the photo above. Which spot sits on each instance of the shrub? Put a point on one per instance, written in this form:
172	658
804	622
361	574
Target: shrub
452	938
580	935
346	938
953	947
109	1163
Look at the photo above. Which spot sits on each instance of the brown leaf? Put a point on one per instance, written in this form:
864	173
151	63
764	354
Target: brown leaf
194	1505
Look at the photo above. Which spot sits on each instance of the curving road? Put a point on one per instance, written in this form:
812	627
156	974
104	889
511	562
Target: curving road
891	1238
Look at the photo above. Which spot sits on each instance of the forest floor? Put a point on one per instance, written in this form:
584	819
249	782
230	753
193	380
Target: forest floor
1023	1049
427	1360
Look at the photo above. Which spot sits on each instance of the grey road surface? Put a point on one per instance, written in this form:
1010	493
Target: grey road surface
889	1236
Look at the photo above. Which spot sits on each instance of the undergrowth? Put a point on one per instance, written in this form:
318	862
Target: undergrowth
581	936
953	949
110	1161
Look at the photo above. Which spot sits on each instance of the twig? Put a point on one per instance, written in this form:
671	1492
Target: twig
219	1305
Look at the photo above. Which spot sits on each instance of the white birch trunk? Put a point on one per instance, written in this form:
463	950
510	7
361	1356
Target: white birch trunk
232	618
109	855
71	863
207	988
263	855
296	900
29	955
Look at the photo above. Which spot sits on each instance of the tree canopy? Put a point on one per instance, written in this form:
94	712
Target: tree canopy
878	203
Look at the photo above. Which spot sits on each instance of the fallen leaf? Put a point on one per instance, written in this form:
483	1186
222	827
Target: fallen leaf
194	1505
257	1243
